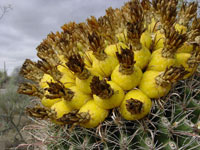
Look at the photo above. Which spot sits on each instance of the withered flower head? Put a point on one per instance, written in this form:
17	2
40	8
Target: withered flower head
173	41
134	106
38	112
101	88
45	52
48	69
30	89
76	64
57	90
171	75
126	60
69	118
30	71
97	45
165	12
133	16
187	12
194	31
83	117
194	60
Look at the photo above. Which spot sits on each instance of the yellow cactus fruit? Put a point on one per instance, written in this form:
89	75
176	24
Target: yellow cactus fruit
122	37
188	61
75	98
127	81
112	49
160	63
65	71
142	57
151	87
181	28
136	105
88	58
44	81
84	85
186	48
126	75
94	72
67	81
182	59
145	39
158	40
106	66
165	57
61	108
152	26
62	59
91	114
157	84
83	75
118	61
46	102
106	94
103	64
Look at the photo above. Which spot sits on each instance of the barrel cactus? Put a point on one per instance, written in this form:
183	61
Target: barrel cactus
126	80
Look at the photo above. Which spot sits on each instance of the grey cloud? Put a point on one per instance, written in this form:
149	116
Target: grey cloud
36	16
24	27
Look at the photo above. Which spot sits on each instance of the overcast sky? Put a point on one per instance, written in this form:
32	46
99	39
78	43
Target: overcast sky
23	28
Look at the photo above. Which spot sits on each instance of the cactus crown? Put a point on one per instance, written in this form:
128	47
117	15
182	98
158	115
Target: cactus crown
170	124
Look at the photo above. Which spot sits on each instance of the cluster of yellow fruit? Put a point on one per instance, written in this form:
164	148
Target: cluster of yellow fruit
121	60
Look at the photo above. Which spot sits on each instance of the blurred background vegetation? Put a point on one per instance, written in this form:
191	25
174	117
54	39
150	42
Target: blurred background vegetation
12	115
12	104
